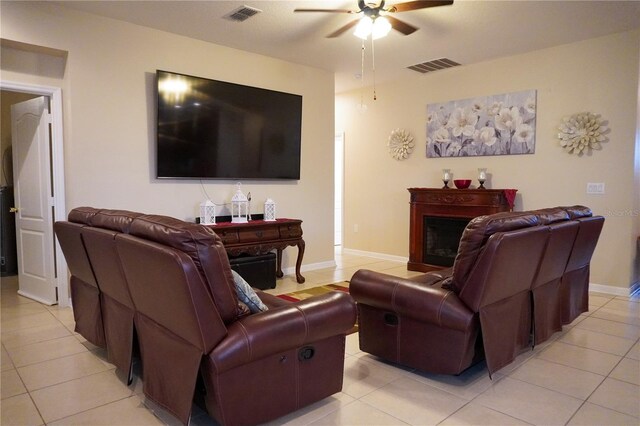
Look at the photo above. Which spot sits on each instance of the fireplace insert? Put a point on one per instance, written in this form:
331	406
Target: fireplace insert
441	238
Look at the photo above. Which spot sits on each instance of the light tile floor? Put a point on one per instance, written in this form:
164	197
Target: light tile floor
589	374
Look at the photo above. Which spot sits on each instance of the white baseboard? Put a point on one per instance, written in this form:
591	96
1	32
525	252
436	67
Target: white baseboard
375	255
332	263
311	267
600	288
609	289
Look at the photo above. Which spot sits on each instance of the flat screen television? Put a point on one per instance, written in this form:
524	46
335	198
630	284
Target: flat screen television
208	129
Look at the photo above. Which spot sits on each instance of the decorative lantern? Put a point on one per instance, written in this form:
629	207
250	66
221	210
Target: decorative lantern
269	210
239	207
482	177
446	177
207	213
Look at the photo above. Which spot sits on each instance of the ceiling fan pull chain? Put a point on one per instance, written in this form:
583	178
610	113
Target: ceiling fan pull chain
362	77
373	68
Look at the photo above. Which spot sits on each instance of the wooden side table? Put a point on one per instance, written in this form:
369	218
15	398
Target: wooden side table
260	237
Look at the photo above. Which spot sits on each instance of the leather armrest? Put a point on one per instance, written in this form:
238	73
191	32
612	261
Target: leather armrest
284	328
427	303
271	300
434	277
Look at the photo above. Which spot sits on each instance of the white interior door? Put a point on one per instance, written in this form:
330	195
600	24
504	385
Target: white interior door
34	201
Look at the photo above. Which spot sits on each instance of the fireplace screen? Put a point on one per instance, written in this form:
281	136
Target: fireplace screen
441	238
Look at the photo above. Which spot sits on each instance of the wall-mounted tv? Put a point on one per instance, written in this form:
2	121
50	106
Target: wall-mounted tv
208	129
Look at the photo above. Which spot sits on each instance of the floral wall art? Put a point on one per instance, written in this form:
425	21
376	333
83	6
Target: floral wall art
491	125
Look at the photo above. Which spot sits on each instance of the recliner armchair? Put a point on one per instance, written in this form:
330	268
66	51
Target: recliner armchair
435	325
117	306
575	280
189	322
545	288
512	279
85	291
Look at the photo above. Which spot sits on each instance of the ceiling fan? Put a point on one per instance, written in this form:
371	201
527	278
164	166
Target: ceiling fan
375	10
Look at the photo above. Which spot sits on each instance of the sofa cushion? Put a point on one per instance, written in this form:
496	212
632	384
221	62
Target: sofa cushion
114	220
576	212
205	249
551	215
475	236
82	215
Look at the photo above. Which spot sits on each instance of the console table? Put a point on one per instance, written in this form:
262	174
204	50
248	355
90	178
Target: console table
259	237
431	207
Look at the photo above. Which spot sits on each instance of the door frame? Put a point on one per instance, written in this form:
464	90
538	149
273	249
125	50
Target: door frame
339	191
57	161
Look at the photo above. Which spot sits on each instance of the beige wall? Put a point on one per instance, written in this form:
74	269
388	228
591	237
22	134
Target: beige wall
598	75
109	117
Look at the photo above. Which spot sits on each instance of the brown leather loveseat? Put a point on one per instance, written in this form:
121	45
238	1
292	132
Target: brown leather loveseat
516	279
169	283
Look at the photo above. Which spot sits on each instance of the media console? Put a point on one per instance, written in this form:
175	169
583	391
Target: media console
260	237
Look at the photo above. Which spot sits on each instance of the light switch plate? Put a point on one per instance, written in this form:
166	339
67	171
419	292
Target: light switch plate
595	188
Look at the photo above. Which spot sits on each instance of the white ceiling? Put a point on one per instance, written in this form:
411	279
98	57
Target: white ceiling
468	31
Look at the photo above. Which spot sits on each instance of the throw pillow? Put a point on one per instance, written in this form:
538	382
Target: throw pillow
247	295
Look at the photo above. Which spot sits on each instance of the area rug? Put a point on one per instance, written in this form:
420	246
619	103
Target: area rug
316	291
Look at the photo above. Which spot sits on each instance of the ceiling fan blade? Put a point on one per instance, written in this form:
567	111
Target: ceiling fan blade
401	26
415	5
325	10
343	29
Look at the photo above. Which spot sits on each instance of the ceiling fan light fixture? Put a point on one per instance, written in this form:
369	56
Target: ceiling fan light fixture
364	27
376	28
381	27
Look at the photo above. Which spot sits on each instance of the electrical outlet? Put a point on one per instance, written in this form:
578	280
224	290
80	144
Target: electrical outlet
355	228
595	188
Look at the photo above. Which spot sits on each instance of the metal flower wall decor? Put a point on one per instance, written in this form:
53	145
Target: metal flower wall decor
582	132
400	144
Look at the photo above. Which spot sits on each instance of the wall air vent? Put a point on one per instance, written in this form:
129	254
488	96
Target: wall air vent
242	13
435	65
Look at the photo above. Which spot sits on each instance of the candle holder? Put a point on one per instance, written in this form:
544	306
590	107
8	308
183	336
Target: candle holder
446	177
482	177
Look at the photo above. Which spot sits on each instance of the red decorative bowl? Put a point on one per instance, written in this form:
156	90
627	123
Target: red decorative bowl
462	183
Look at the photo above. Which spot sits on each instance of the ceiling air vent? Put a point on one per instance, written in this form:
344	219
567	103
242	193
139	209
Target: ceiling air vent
435	65
242	13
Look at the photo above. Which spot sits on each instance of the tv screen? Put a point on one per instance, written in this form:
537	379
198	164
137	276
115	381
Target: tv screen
208	129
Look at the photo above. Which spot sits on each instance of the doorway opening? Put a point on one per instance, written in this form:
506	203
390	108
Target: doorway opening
8	252
339	187
56	163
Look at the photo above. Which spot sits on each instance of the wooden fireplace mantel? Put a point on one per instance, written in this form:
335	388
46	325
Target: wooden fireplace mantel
453	203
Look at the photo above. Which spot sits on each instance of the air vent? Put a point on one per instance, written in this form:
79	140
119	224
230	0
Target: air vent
435	65
242	13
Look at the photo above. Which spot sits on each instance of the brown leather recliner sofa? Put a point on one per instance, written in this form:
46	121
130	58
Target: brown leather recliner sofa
516	279
169	282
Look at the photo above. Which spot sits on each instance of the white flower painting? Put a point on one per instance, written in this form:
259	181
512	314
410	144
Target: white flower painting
492	125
